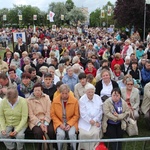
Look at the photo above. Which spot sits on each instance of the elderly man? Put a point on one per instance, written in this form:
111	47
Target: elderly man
65	114
70	78
13	118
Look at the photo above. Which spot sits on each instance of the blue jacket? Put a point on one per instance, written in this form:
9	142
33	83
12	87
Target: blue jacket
70	81
145	74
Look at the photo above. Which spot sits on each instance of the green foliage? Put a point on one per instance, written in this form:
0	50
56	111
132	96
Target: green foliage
96	20
69	5
75	16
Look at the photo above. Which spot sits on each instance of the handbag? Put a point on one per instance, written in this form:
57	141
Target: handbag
104	98
101	146
132	128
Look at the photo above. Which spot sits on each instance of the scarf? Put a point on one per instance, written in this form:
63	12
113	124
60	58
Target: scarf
26	89
124	51
117	74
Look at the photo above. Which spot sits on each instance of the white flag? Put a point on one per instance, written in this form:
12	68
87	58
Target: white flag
147	1
51	16
4	17
109	10
102	13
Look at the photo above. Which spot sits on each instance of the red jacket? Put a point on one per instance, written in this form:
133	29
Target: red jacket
88	72
114	62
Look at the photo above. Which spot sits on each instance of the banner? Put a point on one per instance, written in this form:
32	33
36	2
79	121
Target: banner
4	17
62	17
20	17
147	1
51	16
34	17
102	13
109	10
47	17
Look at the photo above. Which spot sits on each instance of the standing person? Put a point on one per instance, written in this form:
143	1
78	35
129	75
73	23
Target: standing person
39	118
13	118
91	112
65	114
115	111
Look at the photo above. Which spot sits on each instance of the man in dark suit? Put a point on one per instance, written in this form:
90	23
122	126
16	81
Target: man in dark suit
114	48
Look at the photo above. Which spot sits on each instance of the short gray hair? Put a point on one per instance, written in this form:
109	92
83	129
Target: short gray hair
89	86
51	68
12	92
64	87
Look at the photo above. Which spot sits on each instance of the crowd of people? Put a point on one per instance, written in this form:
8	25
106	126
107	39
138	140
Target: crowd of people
71	85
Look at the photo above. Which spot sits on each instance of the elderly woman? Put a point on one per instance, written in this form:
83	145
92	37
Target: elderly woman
39	117
115	111
61	71
70	78
65	114
105	85
127	49
13	118
26	85
131	95
90	106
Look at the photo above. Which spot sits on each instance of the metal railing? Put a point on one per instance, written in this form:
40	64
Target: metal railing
140	143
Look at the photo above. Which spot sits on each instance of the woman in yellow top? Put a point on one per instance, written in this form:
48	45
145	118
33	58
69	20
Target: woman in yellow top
57	93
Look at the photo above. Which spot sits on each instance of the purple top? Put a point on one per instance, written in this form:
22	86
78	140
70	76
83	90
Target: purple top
117	109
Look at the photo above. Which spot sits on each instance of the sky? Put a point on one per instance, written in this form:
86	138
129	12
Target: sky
43	4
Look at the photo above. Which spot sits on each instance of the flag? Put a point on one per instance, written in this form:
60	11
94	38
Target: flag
109	10
34	17
62	17
4	17
102	13
51	16
20	17
147	1
47	17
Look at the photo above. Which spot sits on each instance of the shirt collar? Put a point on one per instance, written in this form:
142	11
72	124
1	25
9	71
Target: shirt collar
13	106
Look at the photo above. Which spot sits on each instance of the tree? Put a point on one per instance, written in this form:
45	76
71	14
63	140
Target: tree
59	9
75	16
96	20
131	13
69	5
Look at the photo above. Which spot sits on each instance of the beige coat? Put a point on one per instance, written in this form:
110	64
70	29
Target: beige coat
134	97
3	66
108	108
38	109
146	100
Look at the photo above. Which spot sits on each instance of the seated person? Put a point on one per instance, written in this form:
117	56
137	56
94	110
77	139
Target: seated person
13	118
91	111
57	93
131	95
39	119
145	107
65	114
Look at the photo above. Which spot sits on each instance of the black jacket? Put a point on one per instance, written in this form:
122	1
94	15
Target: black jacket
99	86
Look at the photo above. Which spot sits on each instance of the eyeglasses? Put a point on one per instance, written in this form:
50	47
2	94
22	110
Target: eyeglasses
129	84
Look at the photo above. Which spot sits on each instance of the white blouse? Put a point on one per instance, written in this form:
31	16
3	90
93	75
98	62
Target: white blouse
90	110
